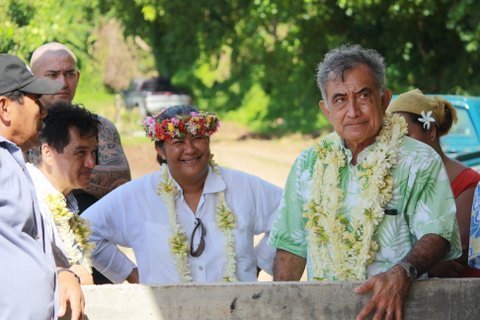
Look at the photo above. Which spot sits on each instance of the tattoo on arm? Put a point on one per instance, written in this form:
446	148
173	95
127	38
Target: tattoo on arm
112	168
288	266
429	250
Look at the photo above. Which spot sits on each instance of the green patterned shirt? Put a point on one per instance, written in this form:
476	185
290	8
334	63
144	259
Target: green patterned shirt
422	203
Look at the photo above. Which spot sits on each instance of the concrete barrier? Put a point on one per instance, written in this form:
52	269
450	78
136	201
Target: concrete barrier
428	299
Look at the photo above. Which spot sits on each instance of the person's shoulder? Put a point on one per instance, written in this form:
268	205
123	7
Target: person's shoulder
233	174
239	177
419	148
104	120
106	123
147	180
414	143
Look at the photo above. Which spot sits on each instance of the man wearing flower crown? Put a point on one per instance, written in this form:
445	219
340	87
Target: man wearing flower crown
367	202
190	221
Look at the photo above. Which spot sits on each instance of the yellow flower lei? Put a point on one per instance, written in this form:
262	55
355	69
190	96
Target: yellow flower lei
179	247
342	249
73	231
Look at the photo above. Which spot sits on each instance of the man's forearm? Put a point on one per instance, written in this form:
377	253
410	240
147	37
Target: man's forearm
287	266
106	178
428	251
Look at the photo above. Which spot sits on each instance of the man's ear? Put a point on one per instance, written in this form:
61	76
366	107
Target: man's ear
161	152
47	154
323	106
386	97
78	76
5	105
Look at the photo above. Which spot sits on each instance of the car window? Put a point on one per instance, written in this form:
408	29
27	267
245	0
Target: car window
464	126
157	85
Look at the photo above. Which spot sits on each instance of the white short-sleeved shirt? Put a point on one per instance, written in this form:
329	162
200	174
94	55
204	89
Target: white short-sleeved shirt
135	216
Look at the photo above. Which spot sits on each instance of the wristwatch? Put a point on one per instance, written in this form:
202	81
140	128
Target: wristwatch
409	268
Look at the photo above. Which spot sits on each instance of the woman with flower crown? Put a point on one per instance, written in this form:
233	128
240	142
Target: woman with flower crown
428	119
366	202
190	221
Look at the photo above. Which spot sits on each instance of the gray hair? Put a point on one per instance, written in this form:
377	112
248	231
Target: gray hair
346	57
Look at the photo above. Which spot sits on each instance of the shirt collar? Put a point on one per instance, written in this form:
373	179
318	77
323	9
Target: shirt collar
348	153
214	183
14	150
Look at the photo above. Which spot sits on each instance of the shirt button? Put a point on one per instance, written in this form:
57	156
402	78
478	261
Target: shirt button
200	268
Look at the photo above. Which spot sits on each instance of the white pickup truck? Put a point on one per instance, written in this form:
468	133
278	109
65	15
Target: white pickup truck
153	95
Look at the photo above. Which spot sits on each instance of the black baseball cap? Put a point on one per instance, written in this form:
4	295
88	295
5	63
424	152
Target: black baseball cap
16	75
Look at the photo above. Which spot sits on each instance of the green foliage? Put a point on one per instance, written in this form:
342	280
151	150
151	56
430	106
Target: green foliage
255	60
26	24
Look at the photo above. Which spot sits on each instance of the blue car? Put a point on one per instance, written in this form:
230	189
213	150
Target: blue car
463	140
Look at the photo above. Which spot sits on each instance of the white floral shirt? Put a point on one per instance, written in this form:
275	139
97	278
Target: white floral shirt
422	203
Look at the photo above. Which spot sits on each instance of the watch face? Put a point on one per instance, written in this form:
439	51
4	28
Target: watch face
410	270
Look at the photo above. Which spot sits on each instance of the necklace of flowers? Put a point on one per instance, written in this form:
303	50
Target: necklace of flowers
179	247
73	231
341	249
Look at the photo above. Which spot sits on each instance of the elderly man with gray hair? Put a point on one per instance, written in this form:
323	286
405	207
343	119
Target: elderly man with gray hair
367	202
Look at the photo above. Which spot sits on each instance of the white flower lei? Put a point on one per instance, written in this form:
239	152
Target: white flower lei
226	222
73	231
342	249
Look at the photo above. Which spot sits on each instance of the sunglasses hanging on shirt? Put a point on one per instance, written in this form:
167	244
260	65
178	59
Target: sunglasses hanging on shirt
201	245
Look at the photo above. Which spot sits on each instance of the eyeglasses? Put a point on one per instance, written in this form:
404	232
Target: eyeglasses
201	245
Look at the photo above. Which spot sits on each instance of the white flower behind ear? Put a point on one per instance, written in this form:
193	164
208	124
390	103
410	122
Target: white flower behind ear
426	119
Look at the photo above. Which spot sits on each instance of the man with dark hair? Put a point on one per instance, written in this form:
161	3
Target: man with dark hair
57	62
68	143
28	278
367	202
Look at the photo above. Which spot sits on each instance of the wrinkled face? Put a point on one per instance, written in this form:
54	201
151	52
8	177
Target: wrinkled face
415	129
187	158
71	169
27	120
58	66
355	107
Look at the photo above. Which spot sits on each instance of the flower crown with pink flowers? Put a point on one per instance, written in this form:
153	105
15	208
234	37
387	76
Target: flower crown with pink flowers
196	123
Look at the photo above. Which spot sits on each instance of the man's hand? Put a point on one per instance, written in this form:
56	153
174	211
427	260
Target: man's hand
71	293
390	290
83	274
133	276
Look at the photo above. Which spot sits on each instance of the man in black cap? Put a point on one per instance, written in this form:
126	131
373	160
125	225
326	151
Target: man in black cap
27	280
